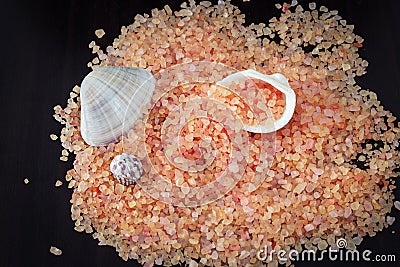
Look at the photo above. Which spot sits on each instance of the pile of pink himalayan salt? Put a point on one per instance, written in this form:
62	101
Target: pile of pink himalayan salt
328	179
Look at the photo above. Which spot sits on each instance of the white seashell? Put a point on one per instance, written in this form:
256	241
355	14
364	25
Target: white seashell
126	168
106	94
278	81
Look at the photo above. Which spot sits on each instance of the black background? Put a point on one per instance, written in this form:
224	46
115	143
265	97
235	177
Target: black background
43	54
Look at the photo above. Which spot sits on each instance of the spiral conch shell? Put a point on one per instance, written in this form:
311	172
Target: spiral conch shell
106	94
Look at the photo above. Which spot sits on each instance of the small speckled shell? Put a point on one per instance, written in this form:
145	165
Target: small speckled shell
126	168
112	99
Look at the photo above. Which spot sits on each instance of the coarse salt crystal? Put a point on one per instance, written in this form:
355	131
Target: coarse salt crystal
329	112
346	67
307	61
299	188
99	33
309	227
353	108
55	251
132	204
357	240
193	263
331	67
390	220
332	85
92	44
368	206
347	212
317	171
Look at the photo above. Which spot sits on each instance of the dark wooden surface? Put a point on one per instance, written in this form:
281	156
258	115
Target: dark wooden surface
44	51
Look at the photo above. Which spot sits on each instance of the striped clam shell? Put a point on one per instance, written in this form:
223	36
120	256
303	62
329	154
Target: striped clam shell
112	99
